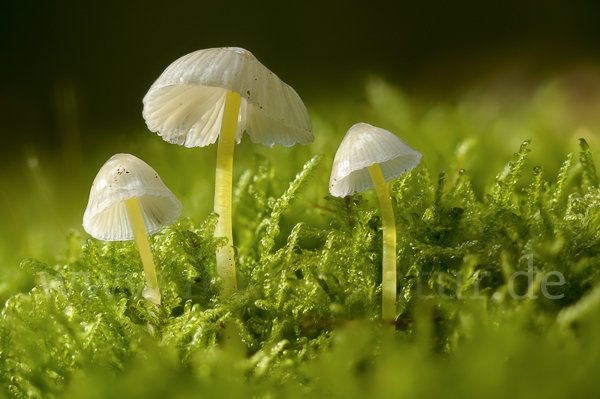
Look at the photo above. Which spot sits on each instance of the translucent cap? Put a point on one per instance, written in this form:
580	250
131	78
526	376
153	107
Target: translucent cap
122	177
365	145
185	104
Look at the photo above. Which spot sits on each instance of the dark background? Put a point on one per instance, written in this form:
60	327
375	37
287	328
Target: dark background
103	56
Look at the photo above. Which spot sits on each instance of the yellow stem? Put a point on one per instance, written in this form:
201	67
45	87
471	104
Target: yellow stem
389	248
223	183
151	293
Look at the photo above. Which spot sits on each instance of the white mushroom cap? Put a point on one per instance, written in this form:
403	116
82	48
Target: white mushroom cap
122	177
185	104
365	145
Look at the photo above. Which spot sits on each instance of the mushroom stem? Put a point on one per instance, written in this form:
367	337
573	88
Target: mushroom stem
389	247
132	207
223	184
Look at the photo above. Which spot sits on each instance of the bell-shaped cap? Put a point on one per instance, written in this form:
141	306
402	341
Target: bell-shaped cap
122	177
185	104
365	145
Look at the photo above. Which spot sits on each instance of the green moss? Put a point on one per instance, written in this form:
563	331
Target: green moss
476	315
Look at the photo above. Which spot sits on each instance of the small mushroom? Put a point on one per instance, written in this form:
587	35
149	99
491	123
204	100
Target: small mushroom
128	201
224	92
369	157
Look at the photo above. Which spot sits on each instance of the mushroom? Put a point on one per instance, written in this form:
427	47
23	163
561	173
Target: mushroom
224	92
128	201
369	157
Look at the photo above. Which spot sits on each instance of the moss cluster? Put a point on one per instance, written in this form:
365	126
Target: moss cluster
481	307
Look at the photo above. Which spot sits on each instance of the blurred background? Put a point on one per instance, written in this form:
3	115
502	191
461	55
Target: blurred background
74	75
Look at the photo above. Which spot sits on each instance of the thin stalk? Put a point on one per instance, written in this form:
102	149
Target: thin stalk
151	293
389	249
223	184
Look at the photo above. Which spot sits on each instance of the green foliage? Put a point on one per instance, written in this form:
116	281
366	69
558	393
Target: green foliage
476	314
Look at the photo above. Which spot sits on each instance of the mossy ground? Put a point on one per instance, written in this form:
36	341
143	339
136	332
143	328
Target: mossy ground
487	225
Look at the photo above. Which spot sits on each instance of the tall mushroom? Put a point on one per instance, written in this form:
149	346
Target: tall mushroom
224	92
369	157
128	201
